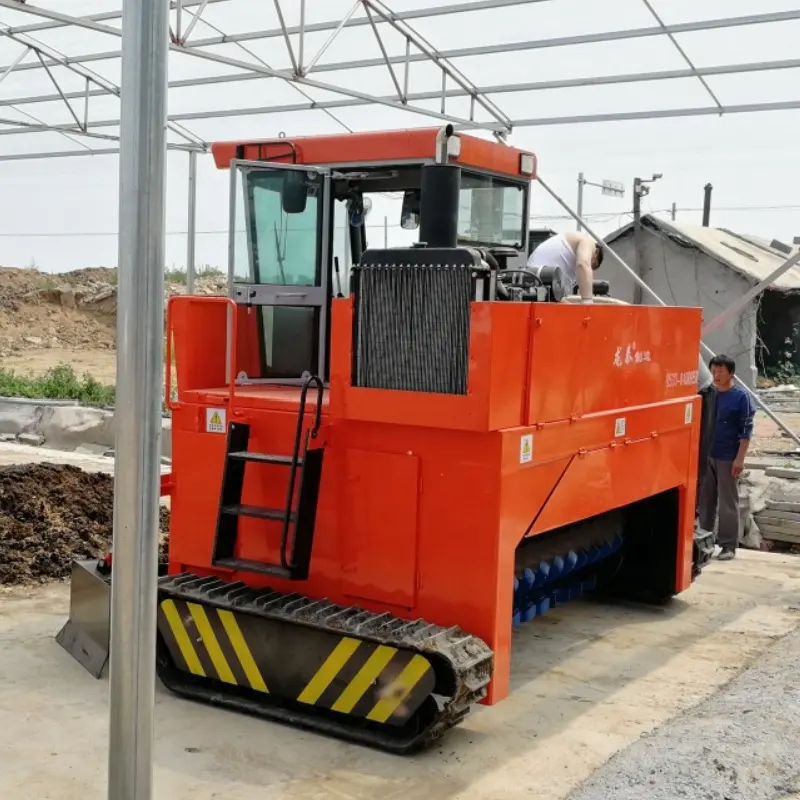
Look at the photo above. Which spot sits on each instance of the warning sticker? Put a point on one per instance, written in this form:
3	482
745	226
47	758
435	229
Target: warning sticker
687	414
526	449
620	427
215	420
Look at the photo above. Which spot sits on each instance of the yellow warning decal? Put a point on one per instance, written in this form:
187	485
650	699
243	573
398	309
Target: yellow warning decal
399	689
242	651
526	449
182	638
216	420
208	638
212	645
328	671
366	676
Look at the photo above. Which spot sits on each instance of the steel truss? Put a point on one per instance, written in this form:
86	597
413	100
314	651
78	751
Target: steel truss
305	68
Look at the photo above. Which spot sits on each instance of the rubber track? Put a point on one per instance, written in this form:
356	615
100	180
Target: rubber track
469	658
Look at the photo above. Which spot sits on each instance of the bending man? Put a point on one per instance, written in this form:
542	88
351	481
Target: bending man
577	254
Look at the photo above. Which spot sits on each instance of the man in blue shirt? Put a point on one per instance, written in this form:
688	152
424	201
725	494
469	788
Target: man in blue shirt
732	431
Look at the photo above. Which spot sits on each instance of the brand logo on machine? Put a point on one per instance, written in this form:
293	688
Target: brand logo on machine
215	420
628	354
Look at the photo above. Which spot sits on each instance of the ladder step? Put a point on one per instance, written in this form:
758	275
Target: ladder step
247	565
264	458
256	511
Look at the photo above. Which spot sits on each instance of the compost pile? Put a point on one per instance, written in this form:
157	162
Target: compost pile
51	514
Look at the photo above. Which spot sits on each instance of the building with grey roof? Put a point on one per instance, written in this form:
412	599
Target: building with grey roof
689	265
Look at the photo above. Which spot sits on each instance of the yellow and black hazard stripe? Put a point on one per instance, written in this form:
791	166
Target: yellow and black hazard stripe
344	674
208	643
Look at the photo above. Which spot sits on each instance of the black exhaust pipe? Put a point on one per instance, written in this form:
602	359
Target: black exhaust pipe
440	188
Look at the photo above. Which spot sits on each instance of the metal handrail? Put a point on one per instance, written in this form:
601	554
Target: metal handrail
308	380
231	345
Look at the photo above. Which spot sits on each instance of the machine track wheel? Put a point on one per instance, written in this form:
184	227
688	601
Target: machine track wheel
374	679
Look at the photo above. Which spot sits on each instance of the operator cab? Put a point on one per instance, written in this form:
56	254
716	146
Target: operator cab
299	214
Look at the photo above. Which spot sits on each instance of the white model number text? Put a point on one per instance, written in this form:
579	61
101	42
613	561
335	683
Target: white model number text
681	379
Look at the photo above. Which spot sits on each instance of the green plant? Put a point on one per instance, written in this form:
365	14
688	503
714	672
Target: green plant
786	371
176	275
58	383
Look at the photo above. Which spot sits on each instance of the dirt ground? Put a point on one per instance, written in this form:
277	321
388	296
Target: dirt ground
47	320
51	514
588	680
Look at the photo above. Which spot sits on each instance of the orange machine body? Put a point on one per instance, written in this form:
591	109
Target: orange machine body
570	412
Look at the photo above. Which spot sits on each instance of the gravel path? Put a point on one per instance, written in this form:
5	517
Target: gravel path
742	744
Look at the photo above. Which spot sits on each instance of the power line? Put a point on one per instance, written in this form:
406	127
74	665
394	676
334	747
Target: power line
596	217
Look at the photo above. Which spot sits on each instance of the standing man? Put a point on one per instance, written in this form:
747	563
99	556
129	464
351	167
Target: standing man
576	253
732	431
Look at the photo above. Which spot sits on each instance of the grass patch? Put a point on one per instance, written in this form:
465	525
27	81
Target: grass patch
58	383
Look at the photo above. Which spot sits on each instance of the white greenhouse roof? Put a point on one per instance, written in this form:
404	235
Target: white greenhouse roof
323	67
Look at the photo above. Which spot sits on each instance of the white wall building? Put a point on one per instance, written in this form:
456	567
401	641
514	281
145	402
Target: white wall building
688	265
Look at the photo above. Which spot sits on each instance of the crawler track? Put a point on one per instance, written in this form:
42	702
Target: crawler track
370	678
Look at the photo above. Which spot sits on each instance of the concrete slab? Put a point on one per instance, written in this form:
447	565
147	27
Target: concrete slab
588	681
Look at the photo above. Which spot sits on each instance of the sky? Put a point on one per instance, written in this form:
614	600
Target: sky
62	214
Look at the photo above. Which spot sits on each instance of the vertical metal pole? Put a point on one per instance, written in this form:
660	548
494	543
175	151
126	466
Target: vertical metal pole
86	106
637	238
178	20
707	189
192	226
140	345
674	211
302	46
386	233
406	70
581	182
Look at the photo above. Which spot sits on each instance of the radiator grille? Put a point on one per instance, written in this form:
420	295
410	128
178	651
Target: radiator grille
412	327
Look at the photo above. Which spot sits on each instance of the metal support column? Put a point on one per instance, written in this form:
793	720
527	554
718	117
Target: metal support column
140	326
581	183
638	261
191	228
705	349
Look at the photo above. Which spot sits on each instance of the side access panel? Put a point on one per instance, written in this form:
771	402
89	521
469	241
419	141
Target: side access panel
381	510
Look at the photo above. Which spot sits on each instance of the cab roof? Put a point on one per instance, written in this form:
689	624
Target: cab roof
375	149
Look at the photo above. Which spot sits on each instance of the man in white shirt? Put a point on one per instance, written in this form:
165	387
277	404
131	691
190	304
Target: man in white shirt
576	253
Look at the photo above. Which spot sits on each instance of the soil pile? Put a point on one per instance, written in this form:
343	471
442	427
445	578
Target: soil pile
69	311
51	514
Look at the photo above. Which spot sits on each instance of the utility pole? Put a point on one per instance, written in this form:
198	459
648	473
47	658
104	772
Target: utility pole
674	211
608	188
640	190
708	188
